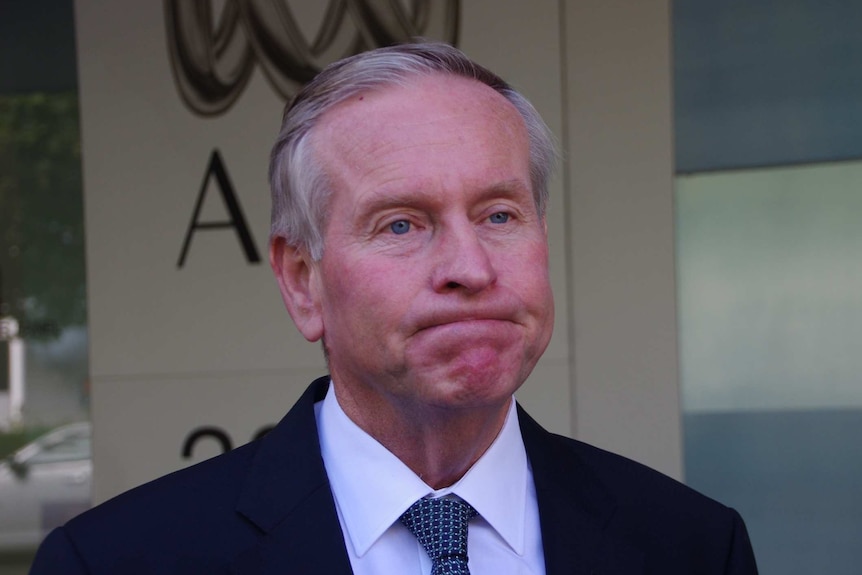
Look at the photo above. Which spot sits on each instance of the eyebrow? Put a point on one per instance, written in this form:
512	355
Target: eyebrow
509	187
422	196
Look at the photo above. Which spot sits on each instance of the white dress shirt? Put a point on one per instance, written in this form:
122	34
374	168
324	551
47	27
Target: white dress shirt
372	488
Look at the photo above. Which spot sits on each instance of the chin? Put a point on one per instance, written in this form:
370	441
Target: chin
464	391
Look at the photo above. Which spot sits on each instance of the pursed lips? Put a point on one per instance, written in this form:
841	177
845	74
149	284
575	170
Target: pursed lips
453	317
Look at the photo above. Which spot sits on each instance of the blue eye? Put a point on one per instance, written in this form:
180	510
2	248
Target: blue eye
400	227
499	218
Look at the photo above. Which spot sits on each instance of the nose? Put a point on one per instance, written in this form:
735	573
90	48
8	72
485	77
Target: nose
463	261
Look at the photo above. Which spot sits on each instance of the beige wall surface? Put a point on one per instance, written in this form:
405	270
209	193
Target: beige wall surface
620	191
174	349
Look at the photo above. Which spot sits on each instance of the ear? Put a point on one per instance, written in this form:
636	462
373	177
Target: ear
297	277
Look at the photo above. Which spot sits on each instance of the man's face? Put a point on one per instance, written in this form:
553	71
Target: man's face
433	290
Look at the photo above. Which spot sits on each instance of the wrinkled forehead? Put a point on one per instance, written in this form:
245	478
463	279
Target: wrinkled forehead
419	106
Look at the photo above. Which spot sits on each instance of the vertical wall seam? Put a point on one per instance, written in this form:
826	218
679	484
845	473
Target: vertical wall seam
567	217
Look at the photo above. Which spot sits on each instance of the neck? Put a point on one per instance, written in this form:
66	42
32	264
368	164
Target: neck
438	444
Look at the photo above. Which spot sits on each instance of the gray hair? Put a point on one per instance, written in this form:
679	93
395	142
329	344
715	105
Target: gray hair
298	182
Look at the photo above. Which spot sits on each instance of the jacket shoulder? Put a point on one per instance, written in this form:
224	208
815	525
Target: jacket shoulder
672	527
190	513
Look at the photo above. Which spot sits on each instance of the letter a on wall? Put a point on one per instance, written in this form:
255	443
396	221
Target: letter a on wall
236	221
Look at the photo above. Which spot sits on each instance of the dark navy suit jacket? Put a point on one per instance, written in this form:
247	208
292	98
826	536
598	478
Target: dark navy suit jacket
267	508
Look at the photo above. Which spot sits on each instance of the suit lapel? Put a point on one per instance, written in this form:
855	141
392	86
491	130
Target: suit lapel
287	497
575	510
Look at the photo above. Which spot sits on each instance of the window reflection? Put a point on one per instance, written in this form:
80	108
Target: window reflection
770	314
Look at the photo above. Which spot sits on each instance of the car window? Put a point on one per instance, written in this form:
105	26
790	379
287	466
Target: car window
63	448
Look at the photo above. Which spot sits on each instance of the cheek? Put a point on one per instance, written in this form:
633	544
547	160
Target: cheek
534	289
529	274
357	292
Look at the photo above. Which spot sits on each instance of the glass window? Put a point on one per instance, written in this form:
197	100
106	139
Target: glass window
70	443
43	335
769	236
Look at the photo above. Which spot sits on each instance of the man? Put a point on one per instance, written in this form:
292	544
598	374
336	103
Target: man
409	236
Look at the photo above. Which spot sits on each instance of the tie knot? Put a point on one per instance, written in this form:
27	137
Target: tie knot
440	525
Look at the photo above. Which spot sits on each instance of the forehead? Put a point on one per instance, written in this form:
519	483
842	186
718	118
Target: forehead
425	93
436	126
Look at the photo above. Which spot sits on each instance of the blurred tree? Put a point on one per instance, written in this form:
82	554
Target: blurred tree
42	276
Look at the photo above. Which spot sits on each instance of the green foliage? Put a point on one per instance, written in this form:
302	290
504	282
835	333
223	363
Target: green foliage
42	277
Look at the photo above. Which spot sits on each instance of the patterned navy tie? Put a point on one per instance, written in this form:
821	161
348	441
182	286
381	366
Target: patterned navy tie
440	525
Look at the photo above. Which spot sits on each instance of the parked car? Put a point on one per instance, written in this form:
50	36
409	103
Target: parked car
43	485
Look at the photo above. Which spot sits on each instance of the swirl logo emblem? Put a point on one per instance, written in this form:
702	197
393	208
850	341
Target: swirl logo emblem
213	58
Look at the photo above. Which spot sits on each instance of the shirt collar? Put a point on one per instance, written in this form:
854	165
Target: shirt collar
372	487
